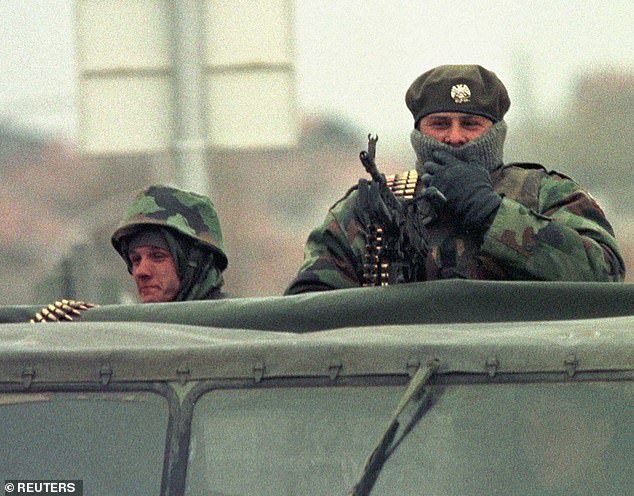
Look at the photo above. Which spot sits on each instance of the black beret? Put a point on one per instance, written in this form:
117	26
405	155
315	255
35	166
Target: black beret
470	89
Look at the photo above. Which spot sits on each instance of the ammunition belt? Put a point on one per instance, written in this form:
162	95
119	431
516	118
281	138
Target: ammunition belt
376	268
403	185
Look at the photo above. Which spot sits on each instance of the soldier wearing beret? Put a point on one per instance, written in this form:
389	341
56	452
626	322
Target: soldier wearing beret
491	220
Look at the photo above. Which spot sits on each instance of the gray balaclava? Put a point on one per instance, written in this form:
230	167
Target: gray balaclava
196	265
486	149
469	89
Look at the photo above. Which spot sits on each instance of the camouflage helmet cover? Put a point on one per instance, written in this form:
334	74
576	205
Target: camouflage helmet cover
187	213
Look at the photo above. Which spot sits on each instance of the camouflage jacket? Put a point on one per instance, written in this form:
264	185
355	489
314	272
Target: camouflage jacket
547	228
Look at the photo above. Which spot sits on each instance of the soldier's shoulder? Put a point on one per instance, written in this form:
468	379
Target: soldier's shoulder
525	165
348	198
534	166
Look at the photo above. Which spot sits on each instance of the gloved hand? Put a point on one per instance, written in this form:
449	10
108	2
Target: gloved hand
60	311
467	188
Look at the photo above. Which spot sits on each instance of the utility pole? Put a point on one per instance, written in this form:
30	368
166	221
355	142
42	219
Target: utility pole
189	98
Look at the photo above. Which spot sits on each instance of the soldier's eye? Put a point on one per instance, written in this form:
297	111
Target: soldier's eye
159	256
440	124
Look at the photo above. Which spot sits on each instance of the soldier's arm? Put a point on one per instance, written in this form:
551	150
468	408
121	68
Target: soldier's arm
333	252
569	239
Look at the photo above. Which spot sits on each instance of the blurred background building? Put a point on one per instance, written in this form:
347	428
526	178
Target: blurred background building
60	205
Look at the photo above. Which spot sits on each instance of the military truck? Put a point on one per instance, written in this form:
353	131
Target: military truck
442	388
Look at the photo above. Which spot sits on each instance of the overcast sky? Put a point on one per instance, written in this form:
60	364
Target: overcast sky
356	58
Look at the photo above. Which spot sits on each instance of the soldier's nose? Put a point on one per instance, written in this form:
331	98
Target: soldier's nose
455	136
141	269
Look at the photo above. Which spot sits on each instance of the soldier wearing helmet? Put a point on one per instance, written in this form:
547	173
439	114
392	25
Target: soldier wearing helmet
469	215
172	243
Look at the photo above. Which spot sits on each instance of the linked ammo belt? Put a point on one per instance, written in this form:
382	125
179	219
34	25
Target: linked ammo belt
403	184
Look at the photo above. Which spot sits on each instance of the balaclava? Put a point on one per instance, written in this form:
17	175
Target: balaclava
199	275
486	149
469	89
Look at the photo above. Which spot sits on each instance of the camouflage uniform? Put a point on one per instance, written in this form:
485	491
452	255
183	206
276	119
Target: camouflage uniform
547	228
191	227
497	222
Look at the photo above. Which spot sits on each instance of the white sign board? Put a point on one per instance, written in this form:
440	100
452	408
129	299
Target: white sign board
126	74
249	63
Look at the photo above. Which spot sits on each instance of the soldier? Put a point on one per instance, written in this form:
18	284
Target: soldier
486	220
172	243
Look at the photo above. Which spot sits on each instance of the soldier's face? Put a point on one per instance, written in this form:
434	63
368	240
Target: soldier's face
154	272
454	128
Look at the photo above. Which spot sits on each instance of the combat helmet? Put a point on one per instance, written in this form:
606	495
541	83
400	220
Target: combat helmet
189	214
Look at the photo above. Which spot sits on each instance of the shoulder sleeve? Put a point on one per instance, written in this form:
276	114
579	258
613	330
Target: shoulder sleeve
566	238
333	253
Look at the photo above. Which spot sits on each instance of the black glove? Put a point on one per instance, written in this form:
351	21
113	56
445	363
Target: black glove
467	188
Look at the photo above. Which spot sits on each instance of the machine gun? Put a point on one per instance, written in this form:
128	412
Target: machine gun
397	245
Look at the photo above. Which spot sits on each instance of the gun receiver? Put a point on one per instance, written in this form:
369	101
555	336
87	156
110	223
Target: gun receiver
397	245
